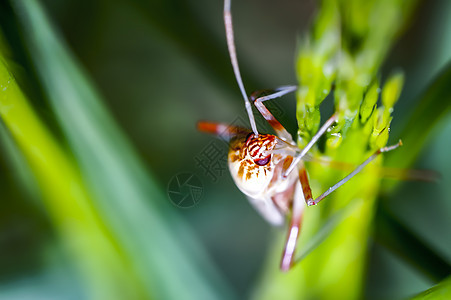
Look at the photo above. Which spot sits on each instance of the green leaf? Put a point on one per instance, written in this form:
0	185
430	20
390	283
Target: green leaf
64	194
440	291
400	240
162	253
326	229
392	90
432	107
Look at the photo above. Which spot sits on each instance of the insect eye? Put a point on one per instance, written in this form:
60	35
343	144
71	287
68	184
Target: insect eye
263	161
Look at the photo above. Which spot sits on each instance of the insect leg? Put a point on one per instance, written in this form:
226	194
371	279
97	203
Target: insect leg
276	93
303	178
295	222
353	173
310	144
385	172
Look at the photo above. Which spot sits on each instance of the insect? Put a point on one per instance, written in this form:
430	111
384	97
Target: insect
267	168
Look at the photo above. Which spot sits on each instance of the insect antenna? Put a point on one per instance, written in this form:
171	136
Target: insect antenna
234	60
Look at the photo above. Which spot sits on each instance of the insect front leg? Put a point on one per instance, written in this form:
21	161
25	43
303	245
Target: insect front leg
276	93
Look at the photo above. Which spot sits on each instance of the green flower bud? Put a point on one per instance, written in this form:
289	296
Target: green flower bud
392	90
369	102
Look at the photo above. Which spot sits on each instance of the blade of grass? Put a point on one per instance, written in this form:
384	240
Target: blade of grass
17	160
161	248
440	291
390	233
325	230
275	283
432	107
67	201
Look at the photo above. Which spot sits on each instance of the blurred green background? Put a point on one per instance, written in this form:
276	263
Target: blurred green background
160	66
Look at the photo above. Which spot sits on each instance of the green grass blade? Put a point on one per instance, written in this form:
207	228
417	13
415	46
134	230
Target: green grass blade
65	197
440	291
394	236
159	247
432	107
325	230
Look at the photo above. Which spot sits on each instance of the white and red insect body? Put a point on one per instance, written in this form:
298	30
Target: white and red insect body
259	174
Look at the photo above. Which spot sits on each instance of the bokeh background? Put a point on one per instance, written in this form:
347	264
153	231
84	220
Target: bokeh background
160	66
